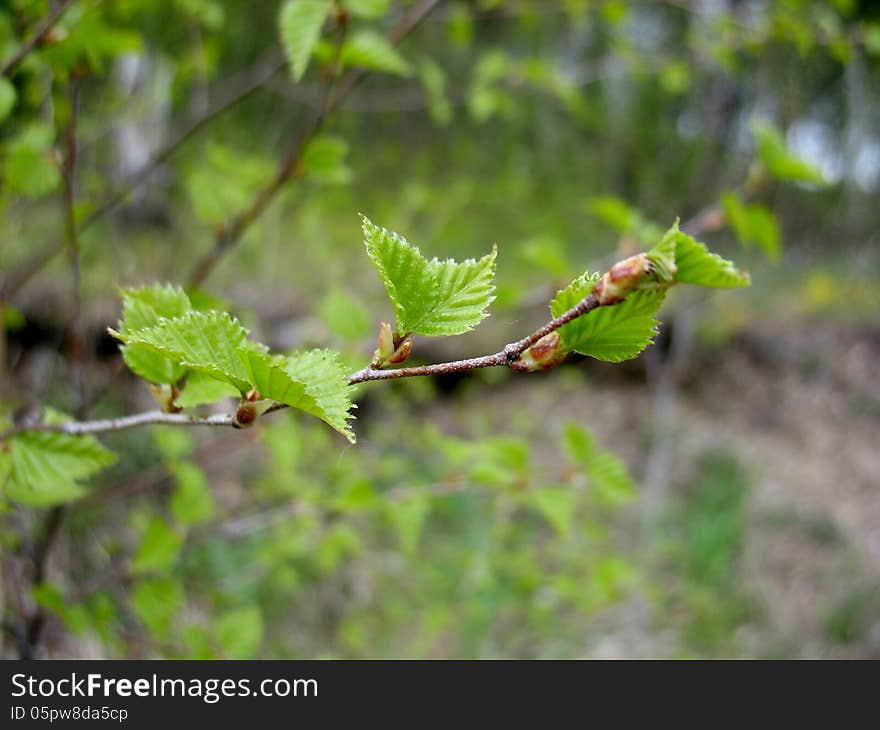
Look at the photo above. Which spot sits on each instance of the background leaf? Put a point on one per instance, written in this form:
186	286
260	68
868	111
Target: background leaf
367	49
300	23
779	161
47	468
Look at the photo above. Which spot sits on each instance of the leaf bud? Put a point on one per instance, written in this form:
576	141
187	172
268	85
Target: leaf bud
622	278
546	353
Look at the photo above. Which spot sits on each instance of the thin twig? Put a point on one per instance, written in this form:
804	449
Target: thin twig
83	428
290	166
36	38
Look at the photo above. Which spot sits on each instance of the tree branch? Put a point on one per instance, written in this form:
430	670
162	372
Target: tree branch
36	38
506	357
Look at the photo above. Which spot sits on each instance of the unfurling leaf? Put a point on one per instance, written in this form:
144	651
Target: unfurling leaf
430	297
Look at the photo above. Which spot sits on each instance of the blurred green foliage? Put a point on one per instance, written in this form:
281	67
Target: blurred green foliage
562	131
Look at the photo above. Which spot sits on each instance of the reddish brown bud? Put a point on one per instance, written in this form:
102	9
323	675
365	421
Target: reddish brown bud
546	353
249	411
245	415
402	352
622	278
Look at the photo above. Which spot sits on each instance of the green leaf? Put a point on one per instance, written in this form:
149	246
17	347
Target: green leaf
75	616
172	442
610	478
779	161
145	307
557	504
368	49
430	297
433	79
326	381
409	516
367	8
344	315
201	388
696	265
752	224
663	256
624	218
29	167
192	502
225	181
612	483
239	632
207	341
324	160
8	96
157	603
612	333
46	468
300	23
159	547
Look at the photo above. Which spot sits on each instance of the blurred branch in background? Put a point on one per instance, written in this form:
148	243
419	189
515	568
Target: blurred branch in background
334	95
39	35
233	91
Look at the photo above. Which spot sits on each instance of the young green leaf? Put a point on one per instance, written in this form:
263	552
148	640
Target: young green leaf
752	224
430	297
614	333
201	388
779	161
367	8
142	308
368	49
192	501
46	468
323	160
300	23
695	264
611	481
159	547
326	381
8	96
557	505
205	341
